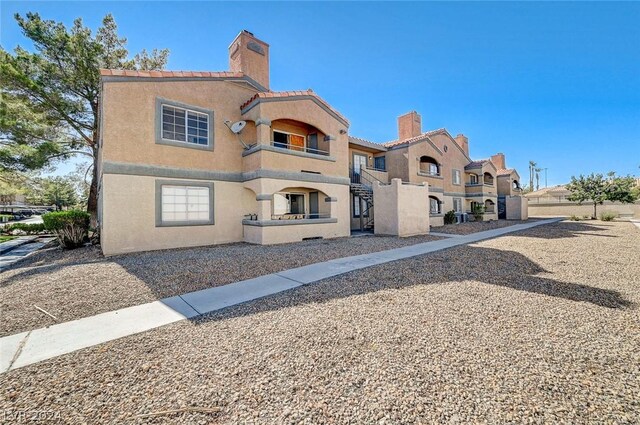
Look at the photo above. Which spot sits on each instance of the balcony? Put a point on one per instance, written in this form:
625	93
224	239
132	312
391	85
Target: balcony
299	148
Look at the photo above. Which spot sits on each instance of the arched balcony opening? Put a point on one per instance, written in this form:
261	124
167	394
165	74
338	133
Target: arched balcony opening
435	205
516	185
489	206
488	178
429	165
299	136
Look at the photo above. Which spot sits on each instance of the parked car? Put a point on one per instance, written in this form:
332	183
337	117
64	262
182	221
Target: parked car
25	212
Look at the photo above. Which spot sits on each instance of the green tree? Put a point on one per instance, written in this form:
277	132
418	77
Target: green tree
597	188
51	97
58	191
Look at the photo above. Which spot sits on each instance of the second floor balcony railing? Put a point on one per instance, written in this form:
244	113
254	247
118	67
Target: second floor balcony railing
298	148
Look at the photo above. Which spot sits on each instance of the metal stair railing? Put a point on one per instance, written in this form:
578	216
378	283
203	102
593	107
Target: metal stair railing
362	186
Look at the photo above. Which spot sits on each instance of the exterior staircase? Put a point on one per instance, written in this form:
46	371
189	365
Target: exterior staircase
362	187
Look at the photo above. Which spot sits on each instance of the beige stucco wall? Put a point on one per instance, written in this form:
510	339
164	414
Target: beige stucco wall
309	112
570	208
505	184
401	209
129	115
129	216
270	235
397	160
516	208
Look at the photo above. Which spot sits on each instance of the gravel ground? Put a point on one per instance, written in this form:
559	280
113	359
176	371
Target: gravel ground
540	326
477	226
80	283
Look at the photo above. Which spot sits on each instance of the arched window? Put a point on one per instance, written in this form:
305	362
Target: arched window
489	206
488	178
429	165
516	184
434	205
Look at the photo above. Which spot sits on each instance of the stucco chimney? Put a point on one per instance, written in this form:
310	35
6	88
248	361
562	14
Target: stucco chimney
463	142
498	161
409	125
249	55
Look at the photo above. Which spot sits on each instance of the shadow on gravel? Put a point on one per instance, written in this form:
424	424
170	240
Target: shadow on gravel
567	229
507	269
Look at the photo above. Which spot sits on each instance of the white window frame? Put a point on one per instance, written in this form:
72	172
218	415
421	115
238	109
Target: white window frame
189	207
437	204
456	177
457	201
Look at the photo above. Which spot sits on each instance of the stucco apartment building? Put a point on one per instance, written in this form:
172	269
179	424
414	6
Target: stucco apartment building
456	182
202	158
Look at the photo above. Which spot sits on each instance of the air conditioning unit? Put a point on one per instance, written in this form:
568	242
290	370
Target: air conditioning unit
462	218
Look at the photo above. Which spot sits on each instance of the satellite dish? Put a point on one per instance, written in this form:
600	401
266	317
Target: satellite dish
237	127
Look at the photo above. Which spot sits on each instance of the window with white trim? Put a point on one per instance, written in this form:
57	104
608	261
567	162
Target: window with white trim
185	125
185	204
456	176
434	206
457	204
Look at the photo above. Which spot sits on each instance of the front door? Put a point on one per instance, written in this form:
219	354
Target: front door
359	163
314	210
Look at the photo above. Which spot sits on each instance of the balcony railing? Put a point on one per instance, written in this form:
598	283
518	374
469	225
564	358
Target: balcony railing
299	148
429	173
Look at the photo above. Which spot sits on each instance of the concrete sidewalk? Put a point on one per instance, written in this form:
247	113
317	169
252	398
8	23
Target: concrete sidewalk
40	344
22	250
14	243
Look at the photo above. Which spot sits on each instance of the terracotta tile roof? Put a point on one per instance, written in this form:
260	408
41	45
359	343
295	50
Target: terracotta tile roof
505	171
477	163
293	94
168	74
394	143
366	143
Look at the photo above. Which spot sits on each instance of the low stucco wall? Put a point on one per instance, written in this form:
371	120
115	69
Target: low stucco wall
516	207
291	232
401	209
572	208
436	221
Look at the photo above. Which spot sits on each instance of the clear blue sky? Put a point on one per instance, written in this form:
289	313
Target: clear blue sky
558	83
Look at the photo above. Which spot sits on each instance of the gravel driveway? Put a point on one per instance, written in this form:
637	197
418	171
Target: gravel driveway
540	326
80	283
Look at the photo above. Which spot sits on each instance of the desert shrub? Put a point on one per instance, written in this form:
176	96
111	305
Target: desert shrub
71	227
28	228
478	212
586	217
608	216
574	218
450	217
